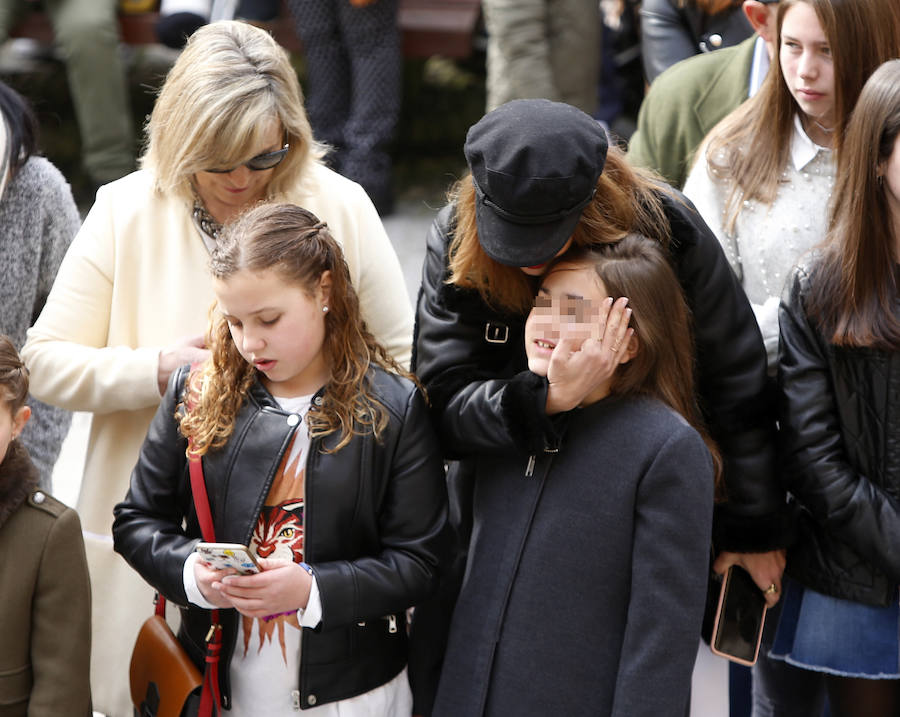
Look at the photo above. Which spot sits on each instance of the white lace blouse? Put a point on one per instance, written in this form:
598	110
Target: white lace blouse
769	239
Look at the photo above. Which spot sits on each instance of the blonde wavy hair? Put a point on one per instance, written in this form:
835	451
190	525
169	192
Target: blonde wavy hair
218	102
627	200
292	242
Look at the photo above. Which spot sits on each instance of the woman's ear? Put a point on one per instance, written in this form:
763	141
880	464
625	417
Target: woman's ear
325	287
20	419
631	349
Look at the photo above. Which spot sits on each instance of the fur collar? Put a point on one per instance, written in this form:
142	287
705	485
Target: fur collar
18	478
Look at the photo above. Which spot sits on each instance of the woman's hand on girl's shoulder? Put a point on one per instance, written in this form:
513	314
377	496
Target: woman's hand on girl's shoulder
282	586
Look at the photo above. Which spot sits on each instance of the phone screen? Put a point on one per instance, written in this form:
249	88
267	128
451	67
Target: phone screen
740	618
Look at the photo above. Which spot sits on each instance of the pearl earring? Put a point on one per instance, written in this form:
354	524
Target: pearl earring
324	309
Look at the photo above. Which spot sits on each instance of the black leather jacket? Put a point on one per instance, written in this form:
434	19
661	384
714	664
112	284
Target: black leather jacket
670	33
472	362
840	421
374	534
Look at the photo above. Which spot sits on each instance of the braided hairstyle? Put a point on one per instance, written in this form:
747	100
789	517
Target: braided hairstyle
13	376
292	242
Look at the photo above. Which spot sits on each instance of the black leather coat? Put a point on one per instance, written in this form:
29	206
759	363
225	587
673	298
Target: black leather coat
670	33
374	530
840	421
472	362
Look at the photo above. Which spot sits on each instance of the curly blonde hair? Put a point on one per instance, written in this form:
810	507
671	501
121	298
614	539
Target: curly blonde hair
292	242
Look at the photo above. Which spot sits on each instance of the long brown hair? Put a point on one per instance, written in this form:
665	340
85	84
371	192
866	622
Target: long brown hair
855	292
751	146
627	200
663	366
292	242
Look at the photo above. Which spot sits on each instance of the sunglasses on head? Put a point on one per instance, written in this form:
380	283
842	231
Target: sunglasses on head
258	163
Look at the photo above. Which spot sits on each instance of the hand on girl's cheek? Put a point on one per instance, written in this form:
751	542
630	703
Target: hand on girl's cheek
282	586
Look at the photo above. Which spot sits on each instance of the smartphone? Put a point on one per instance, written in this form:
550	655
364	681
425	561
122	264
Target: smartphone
219	556
740	617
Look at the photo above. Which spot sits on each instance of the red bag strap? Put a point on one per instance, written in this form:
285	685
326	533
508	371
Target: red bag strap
201	498
210	697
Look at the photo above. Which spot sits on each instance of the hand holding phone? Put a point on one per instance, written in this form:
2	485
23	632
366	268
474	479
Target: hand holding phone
220	556
740	618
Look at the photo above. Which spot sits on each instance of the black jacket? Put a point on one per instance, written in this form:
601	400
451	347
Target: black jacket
670	33
472	362
374	530
587	572
840	421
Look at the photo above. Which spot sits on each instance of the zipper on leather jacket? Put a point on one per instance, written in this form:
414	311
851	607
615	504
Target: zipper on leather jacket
391	623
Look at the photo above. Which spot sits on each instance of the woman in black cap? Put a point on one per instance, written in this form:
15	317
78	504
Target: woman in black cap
542	179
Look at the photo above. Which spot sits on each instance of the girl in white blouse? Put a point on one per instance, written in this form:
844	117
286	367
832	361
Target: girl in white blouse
763	176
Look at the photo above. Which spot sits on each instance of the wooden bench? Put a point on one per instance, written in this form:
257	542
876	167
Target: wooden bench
429	27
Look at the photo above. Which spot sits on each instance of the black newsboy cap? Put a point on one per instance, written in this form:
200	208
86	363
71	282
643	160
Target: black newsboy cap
535	165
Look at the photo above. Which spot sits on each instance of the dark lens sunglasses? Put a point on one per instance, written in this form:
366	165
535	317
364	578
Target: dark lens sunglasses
258	163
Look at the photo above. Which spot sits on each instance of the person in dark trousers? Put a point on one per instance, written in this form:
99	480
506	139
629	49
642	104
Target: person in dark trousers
354	86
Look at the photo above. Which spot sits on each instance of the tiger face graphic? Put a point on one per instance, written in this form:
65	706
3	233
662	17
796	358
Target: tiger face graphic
279	532
278	535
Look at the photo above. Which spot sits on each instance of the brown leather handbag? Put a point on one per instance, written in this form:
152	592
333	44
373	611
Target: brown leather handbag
161	675
164	680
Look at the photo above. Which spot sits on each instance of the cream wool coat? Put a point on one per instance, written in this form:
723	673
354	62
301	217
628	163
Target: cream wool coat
134	281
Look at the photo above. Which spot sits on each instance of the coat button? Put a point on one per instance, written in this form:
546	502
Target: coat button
310	699
715	40
39	497
293	419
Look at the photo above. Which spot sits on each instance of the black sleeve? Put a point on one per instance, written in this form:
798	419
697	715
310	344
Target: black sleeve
665	37
148	530
817	469
733	387
412	532
471	360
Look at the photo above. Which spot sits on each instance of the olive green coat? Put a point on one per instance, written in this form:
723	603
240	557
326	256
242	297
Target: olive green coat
45	598
684	103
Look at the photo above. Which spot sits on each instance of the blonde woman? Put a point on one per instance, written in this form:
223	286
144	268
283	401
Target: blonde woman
130	303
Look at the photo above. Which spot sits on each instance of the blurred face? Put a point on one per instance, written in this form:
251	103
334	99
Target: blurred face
807	67
567	304
539	269
11	425
227	194
278	327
